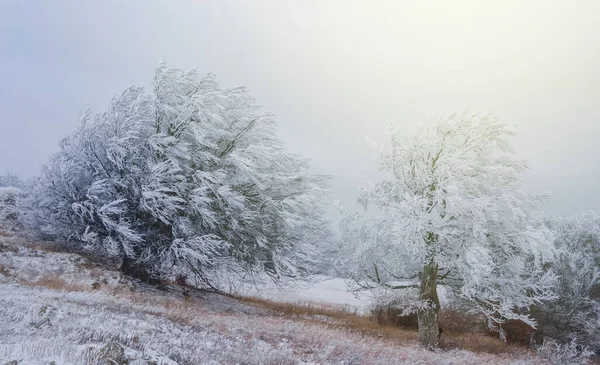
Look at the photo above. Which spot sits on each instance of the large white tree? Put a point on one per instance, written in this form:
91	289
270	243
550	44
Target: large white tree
188	177
452	212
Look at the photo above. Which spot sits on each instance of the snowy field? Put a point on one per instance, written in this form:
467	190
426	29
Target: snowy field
324	291
59	308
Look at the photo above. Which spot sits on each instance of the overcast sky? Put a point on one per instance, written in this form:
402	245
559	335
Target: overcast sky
332	71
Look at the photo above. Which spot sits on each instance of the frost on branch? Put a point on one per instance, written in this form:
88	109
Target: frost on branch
452	212
186	178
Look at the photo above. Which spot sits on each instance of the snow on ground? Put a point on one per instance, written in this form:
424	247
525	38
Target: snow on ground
330	292
59	308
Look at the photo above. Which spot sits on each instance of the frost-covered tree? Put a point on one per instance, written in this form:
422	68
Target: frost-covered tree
452	213
8	204
575	313
10	180
189	177
10	193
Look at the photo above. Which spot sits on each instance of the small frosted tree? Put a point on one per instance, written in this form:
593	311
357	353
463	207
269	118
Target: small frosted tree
10	180
10	193
452	213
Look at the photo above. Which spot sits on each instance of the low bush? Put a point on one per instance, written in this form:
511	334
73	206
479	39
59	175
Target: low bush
570	353
8	203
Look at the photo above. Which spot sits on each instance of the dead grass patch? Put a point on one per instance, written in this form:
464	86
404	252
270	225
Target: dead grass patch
85	259
461	331
175	309
55	282
342	318
184	310
475	342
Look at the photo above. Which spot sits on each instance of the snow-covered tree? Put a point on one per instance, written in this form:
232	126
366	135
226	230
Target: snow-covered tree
10	180
188	177
452	213
575	313
8	204
10	193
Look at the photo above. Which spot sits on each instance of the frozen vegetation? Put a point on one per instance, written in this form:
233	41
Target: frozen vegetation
62	308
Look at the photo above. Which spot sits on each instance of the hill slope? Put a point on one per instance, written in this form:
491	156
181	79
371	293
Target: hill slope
62	308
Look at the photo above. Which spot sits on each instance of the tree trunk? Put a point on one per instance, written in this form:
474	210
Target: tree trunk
429	333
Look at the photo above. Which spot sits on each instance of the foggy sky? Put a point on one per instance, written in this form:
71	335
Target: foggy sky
332	71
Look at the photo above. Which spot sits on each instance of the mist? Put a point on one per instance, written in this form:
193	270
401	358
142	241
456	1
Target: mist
333	73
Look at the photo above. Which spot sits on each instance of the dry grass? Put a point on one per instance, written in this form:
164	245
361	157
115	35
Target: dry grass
451	321
339	318
177	310
184	310
461	331
476	342
56	282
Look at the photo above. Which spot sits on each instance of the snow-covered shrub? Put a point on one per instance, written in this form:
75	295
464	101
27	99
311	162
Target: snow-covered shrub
186	179
10	193
570	353
8	203
10	217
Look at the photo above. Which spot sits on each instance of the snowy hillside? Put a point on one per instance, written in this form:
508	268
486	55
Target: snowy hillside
59	308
